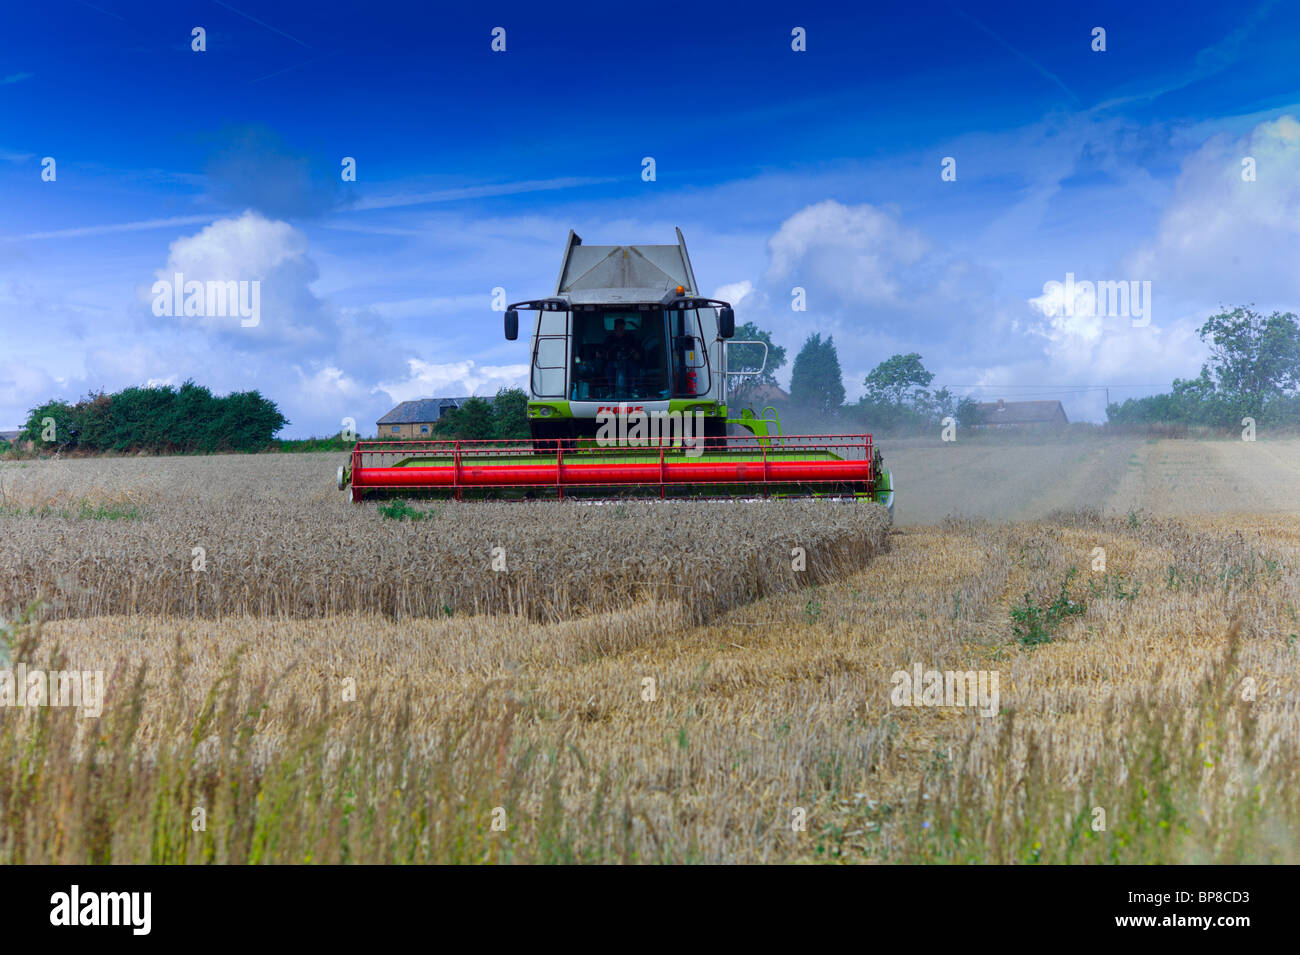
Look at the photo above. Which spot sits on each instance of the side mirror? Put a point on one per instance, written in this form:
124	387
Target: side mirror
512	325
726	323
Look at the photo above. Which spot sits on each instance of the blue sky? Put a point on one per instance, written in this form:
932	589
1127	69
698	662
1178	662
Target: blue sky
818	169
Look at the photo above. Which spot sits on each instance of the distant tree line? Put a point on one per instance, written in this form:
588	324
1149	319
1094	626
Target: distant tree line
898	396
1253	372
157	419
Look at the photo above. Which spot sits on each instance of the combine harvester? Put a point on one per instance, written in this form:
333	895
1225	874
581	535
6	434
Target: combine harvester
628	398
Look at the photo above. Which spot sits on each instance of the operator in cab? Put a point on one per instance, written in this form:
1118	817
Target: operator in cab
623	358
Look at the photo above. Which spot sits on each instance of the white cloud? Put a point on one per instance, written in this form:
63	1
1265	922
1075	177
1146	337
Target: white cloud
1052	303
734	292
141	361
852	252
454	379
272	253
328	384
1226	240
23	387
250	247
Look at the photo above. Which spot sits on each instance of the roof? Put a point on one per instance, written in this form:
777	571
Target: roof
421	410
1020	412
759	391
623	273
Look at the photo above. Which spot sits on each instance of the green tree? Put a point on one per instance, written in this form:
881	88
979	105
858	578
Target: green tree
899	380
1254	370
247	422
472	421
1253	359
161	419
747	358
64	422
510	414
967	412
816	381
898	398
195	407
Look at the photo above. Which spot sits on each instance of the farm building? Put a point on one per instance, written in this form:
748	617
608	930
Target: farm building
415	419
757	395
1029	415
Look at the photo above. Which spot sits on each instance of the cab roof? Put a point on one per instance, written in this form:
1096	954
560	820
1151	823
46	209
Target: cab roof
614	274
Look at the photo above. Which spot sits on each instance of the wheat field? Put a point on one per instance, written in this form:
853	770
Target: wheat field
656	682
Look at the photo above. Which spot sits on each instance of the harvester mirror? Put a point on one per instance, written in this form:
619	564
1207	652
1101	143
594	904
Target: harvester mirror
726	323
512	325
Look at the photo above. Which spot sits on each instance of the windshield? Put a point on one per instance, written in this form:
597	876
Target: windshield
620	355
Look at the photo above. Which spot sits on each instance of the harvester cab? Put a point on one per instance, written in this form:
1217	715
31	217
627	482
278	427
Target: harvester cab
627	331
627	396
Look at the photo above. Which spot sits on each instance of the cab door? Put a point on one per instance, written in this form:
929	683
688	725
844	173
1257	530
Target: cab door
551	345
690	355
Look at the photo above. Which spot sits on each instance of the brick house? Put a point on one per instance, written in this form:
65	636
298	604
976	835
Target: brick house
415	419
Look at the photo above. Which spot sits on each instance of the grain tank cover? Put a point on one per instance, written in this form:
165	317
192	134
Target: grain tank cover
612	274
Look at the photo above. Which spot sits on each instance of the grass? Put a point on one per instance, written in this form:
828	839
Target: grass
81	511
1114	586
310	445
400	510
1033	624
1158	794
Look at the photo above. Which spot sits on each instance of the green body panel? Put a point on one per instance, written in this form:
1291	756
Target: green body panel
710	409
762	428
884	490
559	409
